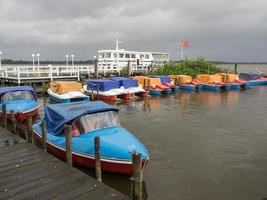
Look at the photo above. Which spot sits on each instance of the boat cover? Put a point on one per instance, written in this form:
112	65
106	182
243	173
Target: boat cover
4	90
183	79
104	85
249	76
163	79
142	80
62	87
125	82
208	78
57	115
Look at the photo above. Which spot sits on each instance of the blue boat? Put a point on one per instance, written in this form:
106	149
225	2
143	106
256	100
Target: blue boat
253	79
89	120
131	86
108	90
21	99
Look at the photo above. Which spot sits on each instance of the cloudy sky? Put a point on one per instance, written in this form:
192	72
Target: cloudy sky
226	30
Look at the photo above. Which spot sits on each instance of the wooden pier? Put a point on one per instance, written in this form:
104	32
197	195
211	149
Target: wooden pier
27	172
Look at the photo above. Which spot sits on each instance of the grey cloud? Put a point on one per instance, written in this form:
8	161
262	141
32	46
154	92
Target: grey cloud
217	29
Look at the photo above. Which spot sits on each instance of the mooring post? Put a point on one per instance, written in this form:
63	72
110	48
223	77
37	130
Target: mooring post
97	93
98	173
137	177
43	92
96	68
68	145
13	121
148	85
44	146
129	68
144	84
177	80
29	129
4	115
92	93
236	68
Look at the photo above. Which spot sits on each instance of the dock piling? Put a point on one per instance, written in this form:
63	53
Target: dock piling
97	92
148	85
137	178
13	121
235	68
92	94
43	92
98	173
4	115
68	145
29	129
44	146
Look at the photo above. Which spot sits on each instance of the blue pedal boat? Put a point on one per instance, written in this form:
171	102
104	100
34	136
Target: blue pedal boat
131	86
253	79
89	120
21	99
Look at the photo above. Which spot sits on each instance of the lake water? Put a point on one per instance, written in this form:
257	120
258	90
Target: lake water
202	145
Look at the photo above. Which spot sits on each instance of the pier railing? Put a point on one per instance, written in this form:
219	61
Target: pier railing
24	73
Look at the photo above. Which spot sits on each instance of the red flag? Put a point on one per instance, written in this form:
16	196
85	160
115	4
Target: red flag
185	43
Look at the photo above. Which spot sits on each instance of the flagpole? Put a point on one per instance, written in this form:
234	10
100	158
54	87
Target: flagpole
182	52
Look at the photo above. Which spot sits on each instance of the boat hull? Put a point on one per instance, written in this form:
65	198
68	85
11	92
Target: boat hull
256	82
155	92
188	87
108	165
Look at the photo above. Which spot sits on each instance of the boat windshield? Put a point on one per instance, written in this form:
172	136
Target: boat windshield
91	122
17	95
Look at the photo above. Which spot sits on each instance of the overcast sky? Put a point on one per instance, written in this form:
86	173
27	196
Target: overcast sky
226	30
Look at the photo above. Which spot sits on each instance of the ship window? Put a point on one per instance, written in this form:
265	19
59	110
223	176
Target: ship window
108	55
115	55
127	55
96	121
9	96
147	56
121	55
132	55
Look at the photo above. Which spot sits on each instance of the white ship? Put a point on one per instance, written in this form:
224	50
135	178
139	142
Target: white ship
117	59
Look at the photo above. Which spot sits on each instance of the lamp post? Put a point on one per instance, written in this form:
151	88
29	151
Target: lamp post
95	65
72	59
38	59
0	58
67	59
33	55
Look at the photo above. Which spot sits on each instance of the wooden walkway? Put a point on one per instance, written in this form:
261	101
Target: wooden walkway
27	172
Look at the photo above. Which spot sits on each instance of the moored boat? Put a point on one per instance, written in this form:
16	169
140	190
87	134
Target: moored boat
21	99
89	120
232	80
66	91
153	85
211	82
165	80
185	82
251	79
131	86
107	90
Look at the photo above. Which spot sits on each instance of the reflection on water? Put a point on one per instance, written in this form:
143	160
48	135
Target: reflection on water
202	145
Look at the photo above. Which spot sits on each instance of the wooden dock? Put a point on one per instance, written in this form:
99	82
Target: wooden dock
27	172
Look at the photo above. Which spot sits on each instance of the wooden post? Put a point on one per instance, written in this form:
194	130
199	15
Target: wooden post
29	129
44	147
137	177
4	115
96	68
97	160
68	145
92	93
43	92
13	121
97	94
144	84
236	68
148	85
129	68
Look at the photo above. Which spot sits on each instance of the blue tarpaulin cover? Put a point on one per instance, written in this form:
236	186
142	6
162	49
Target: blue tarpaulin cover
57	115
125	82
249	76
4	90
104	85
163	79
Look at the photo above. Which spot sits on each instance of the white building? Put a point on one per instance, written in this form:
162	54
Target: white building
117	59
